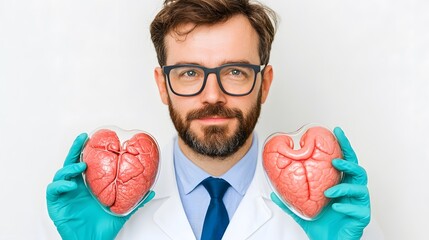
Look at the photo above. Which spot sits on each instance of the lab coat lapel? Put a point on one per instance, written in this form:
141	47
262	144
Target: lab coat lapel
170	216
252	212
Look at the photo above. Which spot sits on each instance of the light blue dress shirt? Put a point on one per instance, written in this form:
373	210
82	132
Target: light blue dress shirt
195	198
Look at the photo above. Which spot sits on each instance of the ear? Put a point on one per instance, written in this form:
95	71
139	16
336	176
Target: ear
266	82
162	84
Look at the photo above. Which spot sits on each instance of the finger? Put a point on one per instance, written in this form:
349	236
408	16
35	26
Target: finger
55	189
76	149
277	200
355	211
280	203
356	173
70	171
358	192
348	152
149	196
283	206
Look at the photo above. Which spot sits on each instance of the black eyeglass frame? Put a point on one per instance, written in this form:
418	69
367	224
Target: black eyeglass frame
216	71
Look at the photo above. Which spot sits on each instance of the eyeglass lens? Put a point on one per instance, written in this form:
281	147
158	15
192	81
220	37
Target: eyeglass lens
189	80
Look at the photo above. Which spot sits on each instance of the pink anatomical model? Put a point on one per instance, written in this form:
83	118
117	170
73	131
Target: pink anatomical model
118	175
301	176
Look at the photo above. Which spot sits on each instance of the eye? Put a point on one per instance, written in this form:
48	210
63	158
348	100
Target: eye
190	73
236	72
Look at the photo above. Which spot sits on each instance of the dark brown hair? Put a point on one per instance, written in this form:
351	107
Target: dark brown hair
200	12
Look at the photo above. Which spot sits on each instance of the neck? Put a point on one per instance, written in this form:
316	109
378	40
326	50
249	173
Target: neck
213	165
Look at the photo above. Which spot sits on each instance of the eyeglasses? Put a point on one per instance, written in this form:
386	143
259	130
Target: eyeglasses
235	79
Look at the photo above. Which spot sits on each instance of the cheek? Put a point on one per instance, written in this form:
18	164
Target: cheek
247	103
180	106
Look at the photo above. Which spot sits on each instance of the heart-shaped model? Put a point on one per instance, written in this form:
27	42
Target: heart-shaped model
301	176
118	175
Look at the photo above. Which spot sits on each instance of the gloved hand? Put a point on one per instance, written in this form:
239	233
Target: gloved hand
350	211
75	213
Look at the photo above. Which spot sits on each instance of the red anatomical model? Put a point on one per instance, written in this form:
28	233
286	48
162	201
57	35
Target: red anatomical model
301	176
120	175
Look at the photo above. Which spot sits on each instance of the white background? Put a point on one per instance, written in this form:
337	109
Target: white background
71	66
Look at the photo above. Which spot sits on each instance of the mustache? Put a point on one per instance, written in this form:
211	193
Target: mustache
214	110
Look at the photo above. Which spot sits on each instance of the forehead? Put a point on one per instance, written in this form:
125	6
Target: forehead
234	40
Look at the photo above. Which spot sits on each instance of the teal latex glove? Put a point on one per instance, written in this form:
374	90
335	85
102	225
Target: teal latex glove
75	213
350	211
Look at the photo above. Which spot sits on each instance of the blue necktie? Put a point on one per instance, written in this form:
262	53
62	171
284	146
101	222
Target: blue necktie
216	219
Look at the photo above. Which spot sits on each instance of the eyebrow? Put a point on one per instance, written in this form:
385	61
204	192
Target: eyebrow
222	63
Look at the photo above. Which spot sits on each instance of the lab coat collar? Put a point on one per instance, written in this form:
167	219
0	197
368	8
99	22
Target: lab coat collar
251	214
253	211
170	217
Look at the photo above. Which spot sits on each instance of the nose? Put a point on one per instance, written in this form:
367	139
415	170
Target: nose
212	93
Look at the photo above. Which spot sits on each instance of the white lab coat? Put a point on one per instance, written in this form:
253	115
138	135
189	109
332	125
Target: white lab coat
257	217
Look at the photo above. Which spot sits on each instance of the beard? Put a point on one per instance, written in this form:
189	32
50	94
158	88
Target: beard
215	142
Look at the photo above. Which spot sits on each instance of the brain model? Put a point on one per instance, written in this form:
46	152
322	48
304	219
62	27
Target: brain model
118	175
300	176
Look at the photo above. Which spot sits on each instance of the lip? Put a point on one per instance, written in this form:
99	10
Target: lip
213	120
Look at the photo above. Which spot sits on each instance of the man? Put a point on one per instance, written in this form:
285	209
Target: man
213	75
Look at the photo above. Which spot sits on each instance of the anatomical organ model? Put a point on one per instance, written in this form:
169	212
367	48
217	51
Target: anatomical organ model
300	176
118	175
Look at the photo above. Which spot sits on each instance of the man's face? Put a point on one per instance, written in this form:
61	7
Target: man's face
213	123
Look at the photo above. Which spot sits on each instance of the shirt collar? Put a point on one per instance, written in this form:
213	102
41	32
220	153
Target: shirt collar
239	176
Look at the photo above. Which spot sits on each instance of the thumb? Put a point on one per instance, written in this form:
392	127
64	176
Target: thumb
285	208
149	196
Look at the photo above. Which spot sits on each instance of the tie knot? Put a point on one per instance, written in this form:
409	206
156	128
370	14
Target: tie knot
215	186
